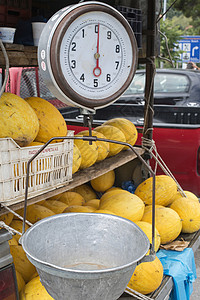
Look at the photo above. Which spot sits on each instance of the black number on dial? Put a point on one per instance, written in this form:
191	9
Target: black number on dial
95	82
73	64
96	28
117	64
108	77
82	77
73	46
117	49
108	35
83	33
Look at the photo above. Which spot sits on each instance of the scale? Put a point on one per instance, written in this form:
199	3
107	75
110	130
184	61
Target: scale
87	56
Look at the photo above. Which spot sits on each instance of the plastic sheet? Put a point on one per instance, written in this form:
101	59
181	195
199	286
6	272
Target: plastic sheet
181	266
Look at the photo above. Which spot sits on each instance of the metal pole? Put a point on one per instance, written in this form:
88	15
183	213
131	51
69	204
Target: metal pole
164	9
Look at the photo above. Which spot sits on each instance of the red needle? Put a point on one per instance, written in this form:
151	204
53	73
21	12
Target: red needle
97	69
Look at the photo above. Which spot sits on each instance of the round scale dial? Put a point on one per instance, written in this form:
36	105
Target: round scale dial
91	55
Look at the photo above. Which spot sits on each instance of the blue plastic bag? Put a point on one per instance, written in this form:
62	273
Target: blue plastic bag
181	266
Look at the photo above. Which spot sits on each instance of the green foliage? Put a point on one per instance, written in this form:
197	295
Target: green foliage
191	9
173	33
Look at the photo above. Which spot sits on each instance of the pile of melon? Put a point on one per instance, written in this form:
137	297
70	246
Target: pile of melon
117	129
174	214
29	120
34	121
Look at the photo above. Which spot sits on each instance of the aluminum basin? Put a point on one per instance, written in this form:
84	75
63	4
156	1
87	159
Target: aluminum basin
85	256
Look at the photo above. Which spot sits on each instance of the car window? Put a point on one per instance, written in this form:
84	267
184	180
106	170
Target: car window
163	83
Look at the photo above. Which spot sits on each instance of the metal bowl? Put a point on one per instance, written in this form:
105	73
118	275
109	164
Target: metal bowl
85	255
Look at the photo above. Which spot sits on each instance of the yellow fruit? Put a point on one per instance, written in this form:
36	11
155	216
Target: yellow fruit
51	121
112	133
125	205
17	225
37	212
111	193
20	281
71	198
34	290
103	147
35	144
79	208
7	218
34	275
165	190
103	182
17	119
189	212
76	159
167	222
149	207
147	277
89	153
21	262
56	206
85	191
188	194
13	241
104	211
93	203
127	127
147	228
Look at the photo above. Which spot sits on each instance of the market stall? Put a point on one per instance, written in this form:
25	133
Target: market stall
129	159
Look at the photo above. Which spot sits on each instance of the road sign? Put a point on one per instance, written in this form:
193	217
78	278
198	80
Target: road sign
191	47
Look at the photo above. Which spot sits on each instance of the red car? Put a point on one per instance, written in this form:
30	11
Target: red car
176	121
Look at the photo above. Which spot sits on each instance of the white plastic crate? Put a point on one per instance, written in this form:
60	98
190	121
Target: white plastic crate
51	169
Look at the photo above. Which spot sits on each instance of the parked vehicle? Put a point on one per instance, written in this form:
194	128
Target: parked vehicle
176	122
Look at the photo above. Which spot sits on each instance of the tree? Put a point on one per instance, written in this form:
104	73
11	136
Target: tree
190	8
173	33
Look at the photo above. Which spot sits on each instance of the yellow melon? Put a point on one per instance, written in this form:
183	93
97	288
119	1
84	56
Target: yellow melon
21	262
149	207
34	275
35	144
34	290
104	211
51	121
103	182
167	222
189	212
147	277
71	198
188	194
89	153
111	193
125	205
112	133
20	281
165	190
86	191
56	206
147	228
37	212
17	225
103	147
76	159
7	218
93	203
79	208
17	119
127	127
13	241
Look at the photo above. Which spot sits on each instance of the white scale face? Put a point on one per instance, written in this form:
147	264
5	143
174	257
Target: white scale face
87	55
96	55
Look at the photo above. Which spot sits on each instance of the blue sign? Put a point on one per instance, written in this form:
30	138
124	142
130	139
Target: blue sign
191	47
